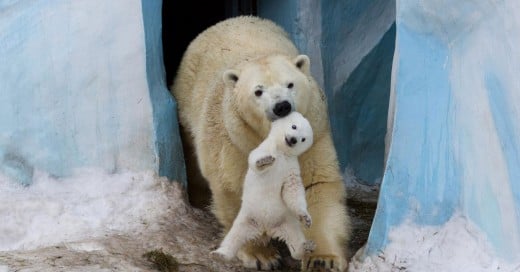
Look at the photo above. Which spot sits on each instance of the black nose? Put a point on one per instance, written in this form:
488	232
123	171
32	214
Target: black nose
293	140
283	108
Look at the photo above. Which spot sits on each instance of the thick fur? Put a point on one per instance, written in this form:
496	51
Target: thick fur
273	199
224	120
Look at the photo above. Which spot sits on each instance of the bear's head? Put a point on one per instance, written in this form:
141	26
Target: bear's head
293	134
269	88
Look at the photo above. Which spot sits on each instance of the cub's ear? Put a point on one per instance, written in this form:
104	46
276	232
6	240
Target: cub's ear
303	63
230	78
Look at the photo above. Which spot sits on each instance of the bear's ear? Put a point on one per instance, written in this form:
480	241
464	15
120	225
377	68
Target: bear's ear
230	78
303	63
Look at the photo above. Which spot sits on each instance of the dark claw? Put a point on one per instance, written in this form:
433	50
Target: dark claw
258	265
308	263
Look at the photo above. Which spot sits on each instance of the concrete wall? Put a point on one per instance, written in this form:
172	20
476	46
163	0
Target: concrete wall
82	85
455	122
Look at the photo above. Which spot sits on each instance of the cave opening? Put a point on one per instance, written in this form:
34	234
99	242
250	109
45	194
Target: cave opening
358	107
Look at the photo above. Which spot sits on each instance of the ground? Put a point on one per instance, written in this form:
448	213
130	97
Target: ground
179	241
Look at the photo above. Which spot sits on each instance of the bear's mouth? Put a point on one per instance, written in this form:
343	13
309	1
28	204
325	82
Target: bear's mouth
290	141
271	116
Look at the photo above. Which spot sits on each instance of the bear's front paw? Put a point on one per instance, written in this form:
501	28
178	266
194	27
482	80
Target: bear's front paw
264	162
306	220
323	263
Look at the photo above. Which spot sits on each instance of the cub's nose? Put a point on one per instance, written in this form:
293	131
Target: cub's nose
282	109
293	140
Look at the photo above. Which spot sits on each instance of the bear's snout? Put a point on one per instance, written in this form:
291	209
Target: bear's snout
291	141
282	109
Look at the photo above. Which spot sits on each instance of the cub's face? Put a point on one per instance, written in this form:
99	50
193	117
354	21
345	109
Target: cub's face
270	88
293	133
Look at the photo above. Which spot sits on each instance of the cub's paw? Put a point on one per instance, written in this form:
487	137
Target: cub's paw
259	257
306	220
221	255
309	246
264	162
320	263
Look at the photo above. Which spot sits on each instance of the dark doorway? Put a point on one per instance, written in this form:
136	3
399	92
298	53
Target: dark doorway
182	22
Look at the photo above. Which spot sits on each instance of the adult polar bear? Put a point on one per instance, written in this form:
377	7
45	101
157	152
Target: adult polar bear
234	79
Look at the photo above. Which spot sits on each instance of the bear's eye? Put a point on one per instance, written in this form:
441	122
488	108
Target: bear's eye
258	93
290	85
293	126
303	140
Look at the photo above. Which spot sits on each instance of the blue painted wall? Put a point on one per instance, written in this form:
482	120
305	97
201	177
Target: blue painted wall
455	121
358	111
77	92
168	143
420	158
351	45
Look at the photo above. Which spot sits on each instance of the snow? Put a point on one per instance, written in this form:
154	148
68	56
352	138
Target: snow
456	246
89	204
99	221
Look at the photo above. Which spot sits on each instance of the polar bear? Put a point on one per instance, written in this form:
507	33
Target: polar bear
273	198
234	79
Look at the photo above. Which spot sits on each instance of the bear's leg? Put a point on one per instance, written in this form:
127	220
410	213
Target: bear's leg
257	254
330	227
198	189
293	194
241	232
225	205
291	232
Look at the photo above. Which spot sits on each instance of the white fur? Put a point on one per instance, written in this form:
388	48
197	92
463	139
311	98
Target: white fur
273	200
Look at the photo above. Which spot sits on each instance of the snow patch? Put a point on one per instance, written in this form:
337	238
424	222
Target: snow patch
91	203
455	246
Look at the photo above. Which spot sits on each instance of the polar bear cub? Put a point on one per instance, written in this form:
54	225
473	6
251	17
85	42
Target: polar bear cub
273	199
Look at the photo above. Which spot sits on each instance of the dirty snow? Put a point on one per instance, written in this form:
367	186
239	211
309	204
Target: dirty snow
88	204
97	221
455	246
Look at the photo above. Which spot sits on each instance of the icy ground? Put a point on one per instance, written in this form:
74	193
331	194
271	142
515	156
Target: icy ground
106	222
99	222
456	246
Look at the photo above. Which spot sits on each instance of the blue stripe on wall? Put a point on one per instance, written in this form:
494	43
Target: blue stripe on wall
168	143
421	180
502	109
